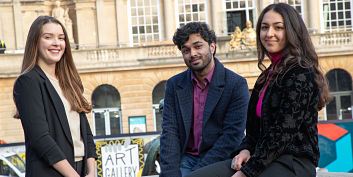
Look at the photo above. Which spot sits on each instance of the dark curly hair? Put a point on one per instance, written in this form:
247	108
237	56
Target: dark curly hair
182	34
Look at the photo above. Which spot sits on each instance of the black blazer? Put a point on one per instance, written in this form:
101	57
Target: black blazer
223	121
46	128
288	123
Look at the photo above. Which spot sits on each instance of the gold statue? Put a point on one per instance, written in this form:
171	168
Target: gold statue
245	39
236	37
249	36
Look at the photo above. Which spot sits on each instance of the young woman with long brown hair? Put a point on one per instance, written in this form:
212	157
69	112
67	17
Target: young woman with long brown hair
281	129
50	103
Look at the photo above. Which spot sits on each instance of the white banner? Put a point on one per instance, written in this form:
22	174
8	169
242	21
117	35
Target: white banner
120	160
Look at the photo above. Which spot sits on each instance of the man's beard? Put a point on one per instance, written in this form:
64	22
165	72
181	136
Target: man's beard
204	65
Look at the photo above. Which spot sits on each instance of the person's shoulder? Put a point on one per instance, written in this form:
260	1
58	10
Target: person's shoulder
299	73
297	69
32	75
178	77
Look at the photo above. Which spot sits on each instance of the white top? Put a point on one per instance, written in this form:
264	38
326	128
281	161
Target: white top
73	118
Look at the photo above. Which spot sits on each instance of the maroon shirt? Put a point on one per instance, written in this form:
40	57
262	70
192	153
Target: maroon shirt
200	95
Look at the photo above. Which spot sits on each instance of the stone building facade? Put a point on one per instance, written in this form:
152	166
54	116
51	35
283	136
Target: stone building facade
124	53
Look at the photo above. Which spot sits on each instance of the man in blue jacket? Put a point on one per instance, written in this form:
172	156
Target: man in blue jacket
204	107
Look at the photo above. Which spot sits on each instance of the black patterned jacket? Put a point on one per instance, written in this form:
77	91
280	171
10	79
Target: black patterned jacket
288	123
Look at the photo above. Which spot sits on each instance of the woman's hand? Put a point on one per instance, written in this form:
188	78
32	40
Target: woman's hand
239	174
90	175
239	159
91	167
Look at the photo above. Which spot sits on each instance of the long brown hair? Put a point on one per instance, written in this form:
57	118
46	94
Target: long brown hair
65	70
299	50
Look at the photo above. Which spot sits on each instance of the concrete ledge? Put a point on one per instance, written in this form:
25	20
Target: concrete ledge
333	174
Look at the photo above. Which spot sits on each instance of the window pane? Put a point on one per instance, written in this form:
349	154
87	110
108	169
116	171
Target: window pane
194	8
333	16
99	123
155	19
133	11
135	39
340	15
148	11
149	37
346	106
140	11
149	29
187	8
105	96
202	17
235	5
149	20
156	37
188	17
158	120
142	29
228	5
181	18
141	20
242	4
195	17
202	7
340	6
142	38
181	9
114	122
155	29
331	110
158	92
332	6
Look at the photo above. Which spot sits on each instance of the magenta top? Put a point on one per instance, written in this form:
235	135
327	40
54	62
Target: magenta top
275	60
200	95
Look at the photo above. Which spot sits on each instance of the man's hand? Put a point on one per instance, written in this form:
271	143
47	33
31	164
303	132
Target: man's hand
239	159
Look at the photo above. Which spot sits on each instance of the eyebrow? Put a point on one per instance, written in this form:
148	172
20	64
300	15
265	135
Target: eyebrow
62	34
194	43
276	23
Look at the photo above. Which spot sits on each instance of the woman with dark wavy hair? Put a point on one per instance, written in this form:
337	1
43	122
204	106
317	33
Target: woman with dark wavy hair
281	131
49	98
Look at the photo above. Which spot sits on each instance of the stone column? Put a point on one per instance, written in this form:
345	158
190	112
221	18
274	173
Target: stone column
100	24
313	15
169	19
263	4
217	17
19	39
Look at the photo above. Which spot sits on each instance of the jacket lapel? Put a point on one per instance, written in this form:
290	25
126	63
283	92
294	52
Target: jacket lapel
215	90
185	96
58	105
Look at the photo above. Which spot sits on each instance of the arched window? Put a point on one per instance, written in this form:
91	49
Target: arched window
157	96
106	111
340	85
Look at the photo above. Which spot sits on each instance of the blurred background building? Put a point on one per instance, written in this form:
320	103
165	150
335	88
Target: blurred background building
124	53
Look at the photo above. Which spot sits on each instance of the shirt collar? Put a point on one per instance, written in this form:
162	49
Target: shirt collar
208	78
